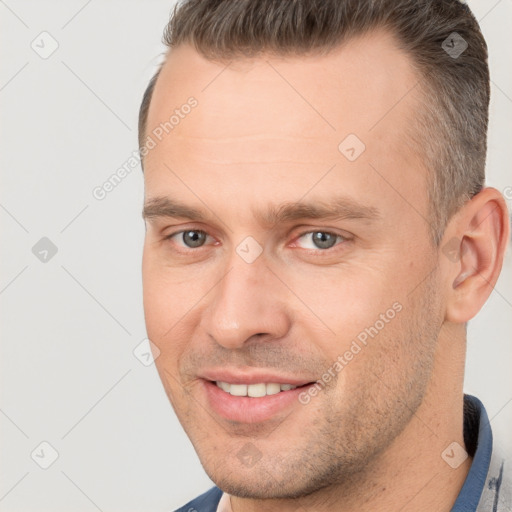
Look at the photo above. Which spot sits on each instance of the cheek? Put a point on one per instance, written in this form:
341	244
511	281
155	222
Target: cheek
173	301
167	294
377	363
163	311
343	301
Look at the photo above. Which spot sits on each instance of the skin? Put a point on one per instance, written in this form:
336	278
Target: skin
266	131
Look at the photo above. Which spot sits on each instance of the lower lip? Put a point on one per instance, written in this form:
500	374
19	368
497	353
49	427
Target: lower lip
247	409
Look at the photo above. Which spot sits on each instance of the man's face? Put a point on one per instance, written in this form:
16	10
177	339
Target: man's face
242	297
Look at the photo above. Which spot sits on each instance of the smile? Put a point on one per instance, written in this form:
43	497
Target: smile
254	390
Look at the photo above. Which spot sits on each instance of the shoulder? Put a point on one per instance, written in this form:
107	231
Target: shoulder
207	502
497	492
493	470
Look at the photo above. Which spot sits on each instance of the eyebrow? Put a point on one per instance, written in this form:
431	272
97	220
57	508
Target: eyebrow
336	208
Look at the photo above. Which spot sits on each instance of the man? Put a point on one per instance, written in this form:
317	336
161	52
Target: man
318	235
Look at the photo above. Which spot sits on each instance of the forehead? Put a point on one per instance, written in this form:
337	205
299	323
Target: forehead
274	125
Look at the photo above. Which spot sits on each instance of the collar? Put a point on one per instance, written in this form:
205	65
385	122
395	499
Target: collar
478	441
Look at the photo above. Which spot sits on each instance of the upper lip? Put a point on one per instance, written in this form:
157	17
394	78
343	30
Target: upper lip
236	376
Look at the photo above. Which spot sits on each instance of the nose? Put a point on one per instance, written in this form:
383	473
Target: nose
248	301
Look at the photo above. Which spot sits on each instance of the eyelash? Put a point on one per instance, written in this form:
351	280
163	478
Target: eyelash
339	239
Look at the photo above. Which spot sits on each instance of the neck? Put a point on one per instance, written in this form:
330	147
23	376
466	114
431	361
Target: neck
411	473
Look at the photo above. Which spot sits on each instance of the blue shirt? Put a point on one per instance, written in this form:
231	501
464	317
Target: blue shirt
488	485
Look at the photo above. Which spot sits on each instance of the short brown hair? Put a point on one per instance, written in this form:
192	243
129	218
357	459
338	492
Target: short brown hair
450	129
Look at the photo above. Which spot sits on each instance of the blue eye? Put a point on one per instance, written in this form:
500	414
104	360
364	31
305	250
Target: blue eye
321	239
190	238
315	240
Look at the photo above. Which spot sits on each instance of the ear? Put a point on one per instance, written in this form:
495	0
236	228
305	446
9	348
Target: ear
472	253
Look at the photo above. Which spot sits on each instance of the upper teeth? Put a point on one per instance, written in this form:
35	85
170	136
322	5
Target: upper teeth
254	390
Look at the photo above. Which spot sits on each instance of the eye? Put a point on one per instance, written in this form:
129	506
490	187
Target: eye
319	239
190	238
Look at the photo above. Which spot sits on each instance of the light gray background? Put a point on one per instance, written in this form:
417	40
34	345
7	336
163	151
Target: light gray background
70	325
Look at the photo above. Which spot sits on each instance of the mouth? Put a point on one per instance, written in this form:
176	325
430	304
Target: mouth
252	403
257	390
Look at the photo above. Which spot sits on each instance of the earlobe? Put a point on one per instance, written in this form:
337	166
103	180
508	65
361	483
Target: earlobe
482	229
